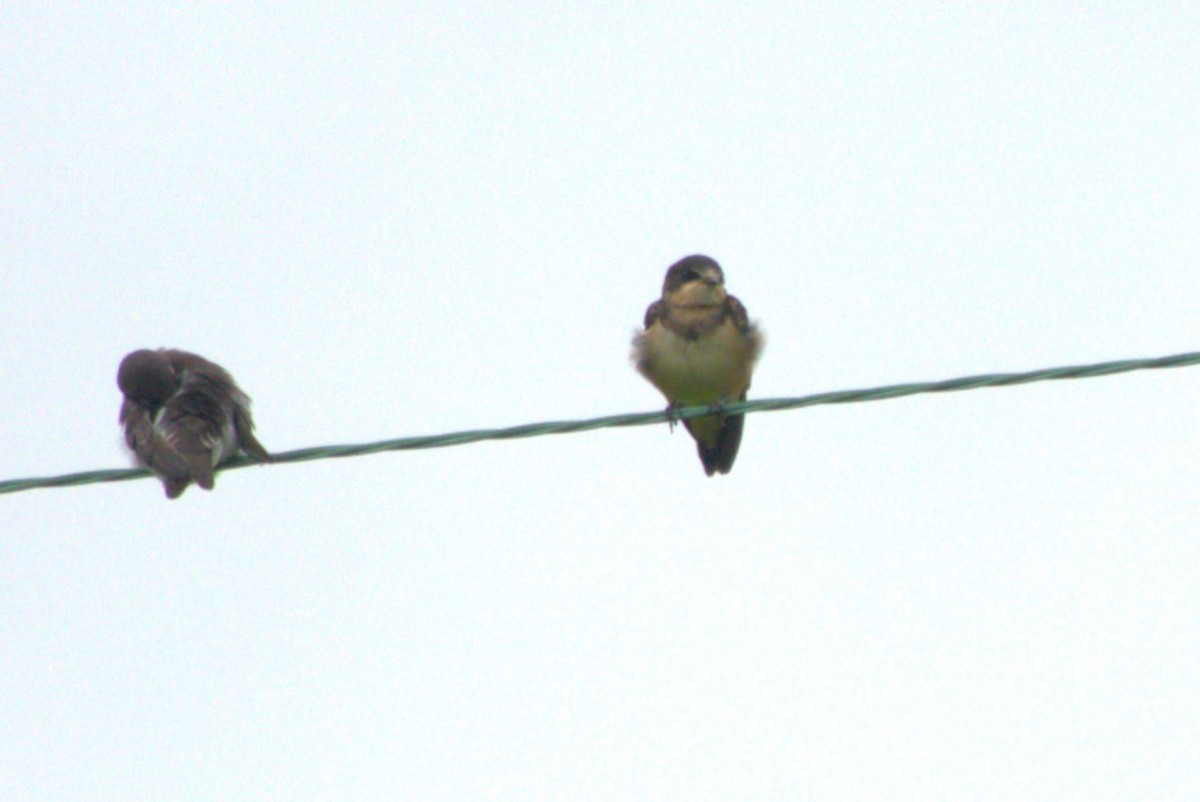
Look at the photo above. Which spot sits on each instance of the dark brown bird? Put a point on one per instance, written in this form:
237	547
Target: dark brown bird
699	349
183	416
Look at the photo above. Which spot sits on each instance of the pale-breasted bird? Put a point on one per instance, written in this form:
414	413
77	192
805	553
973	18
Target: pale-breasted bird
699	349
183	416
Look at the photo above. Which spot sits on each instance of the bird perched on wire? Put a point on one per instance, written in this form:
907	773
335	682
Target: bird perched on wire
183	416
699	348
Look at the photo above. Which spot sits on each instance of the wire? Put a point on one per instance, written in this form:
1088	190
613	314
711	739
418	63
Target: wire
640	418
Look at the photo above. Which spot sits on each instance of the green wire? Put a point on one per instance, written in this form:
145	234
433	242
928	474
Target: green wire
639	418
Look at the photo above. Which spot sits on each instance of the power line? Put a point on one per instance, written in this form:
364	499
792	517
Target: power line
640	418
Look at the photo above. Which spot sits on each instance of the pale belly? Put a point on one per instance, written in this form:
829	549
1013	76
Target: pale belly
715	368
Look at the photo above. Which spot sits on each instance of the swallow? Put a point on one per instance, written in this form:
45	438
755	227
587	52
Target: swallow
183	416
699	348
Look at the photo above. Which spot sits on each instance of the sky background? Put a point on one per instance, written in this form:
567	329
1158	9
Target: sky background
390	220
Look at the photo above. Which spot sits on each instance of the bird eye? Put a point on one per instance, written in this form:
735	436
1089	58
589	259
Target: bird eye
690	275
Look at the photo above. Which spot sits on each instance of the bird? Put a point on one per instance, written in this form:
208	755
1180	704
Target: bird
699	347
183	415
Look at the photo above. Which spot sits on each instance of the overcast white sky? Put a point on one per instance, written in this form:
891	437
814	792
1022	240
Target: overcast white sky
401	219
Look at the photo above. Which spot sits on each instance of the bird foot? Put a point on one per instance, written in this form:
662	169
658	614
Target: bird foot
672	414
